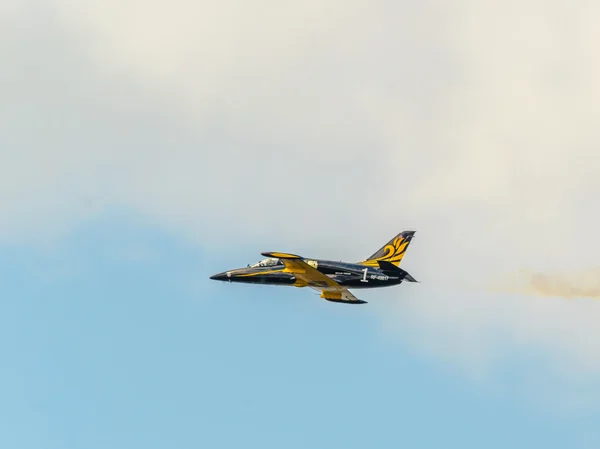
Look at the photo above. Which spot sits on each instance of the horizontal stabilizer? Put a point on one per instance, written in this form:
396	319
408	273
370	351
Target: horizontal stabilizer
391	269
409	278
388	267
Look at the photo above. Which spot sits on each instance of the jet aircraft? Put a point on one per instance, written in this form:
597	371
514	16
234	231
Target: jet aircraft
331	278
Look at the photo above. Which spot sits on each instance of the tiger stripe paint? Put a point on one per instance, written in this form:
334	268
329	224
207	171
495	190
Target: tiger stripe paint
393	251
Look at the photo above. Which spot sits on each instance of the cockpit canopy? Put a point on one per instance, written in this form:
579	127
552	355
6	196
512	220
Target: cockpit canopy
268	262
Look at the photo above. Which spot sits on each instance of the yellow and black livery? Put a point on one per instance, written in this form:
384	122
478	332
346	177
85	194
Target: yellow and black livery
331	278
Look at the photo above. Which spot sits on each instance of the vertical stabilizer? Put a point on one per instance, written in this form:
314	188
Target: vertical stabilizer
393	251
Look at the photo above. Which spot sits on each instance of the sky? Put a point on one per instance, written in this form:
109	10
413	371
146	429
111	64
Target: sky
145	146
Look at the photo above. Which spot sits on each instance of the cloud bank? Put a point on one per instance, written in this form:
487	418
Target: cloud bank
324	127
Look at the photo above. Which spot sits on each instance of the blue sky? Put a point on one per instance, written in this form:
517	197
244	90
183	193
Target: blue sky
147	145
116	338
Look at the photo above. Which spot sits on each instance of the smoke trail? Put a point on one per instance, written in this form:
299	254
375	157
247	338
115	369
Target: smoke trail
571	285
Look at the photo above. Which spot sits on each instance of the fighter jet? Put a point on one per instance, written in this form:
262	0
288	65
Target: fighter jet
330	278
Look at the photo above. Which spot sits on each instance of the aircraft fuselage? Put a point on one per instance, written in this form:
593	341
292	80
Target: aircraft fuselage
350	275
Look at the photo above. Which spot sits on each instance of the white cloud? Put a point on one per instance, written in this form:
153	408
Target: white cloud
312	124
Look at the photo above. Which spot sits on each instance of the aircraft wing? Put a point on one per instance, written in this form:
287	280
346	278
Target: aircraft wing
330	289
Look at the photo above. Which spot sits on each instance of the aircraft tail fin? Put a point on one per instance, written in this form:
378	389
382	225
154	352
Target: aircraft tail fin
392	252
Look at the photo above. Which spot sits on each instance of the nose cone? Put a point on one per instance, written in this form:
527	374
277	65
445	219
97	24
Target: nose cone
220	277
